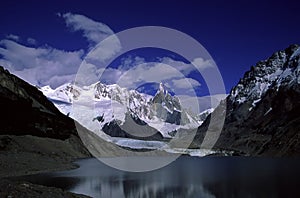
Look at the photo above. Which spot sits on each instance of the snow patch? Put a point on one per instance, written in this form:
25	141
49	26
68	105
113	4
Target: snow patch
138	144
296	53
157	145
191	152
270	109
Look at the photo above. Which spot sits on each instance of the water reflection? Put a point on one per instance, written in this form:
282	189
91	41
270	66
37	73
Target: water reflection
186	177
99	180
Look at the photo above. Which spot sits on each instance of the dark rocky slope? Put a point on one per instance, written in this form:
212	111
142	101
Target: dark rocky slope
26	111
34	137
138	129
262	116
10	188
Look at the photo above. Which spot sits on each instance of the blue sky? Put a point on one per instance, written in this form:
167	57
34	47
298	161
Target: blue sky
44	42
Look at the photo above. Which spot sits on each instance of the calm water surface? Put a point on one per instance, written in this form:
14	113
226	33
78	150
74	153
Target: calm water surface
186	177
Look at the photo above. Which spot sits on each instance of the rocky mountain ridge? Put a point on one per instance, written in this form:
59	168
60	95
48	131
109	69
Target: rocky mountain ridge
162	112
26	111
33	130
262	116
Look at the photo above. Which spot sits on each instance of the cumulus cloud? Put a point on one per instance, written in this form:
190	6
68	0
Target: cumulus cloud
105	50
88	74
39	66
136	71
13	37
197	105
184	68
202	64
46	65
31	41
94	32
147	72
185	83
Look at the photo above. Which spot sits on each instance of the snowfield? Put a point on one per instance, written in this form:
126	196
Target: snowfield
112	102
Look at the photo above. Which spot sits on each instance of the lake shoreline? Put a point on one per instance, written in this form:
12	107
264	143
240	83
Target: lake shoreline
31	155
211	176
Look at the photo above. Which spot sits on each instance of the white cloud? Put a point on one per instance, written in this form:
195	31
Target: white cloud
105	50
31	41
39	66
147	72
198	64
50	66
13	37
87	74
129	62
185	83
202	64
198	104
94	32
135	71
183	67
45	65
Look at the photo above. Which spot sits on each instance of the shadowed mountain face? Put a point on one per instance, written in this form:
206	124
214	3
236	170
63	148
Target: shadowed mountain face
26	111
262	116
138	129
122	112
32	130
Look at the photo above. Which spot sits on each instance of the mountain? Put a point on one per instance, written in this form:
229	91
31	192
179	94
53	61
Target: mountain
34	135
116	110
26	111
262	110
204	114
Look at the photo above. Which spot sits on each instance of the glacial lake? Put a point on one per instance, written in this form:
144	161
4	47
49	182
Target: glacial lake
205	177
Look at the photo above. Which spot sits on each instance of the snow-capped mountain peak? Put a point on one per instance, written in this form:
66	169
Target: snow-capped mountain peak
161	87
114	103
64	93
282	68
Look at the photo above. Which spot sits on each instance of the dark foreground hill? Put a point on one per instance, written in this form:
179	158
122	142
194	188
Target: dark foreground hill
34	137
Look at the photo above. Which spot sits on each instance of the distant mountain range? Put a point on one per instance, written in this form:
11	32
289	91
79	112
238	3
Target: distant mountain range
262	116
261	119
120	110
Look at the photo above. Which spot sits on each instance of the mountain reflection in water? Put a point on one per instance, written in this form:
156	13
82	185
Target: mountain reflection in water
186	177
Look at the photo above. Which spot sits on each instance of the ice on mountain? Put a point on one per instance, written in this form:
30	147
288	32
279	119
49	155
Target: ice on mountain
190	152
254	104
113	102
269	110
298	79
296	53
280	69
241	100
161	87
138	144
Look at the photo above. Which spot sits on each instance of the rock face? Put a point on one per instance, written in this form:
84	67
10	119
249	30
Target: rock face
161	106
119	108
10	188
26	111
133	128
19	154
32	129
262	116
167	107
